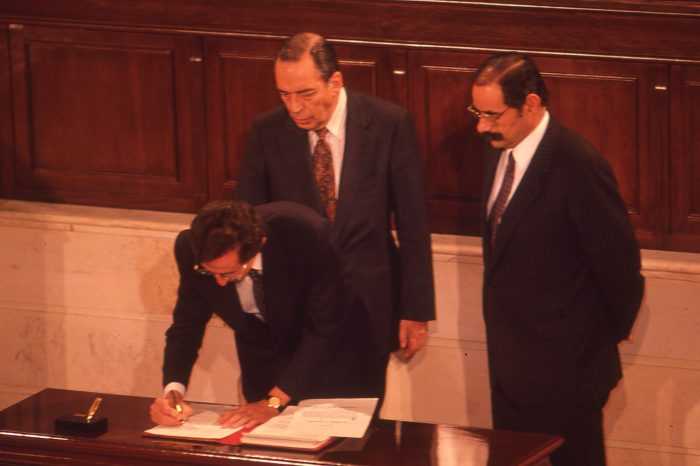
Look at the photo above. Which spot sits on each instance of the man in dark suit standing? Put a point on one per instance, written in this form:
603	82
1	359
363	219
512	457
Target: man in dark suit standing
356	160
272	274
562	283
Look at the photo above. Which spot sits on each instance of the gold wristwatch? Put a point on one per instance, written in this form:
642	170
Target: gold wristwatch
274	402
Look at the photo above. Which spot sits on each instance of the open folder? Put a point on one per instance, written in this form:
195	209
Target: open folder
310	426
313	424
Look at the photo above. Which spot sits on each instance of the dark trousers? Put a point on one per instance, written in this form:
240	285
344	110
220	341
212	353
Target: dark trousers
376	379
581	426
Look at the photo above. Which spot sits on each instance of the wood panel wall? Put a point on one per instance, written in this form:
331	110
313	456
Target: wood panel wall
148	104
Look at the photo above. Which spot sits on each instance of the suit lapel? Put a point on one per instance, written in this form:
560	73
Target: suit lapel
528	189
357	159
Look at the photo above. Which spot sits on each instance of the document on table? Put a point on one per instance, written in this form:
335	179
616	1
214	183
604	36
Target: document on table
313	424
199	426
336	417
278	428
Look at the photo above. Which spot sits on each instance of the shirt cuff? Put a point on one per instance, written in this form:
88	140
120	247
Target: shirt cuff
177	386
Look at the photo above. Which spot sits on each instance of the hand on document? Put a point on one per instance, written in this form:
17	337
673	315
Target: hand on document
168	412
248	415
314	423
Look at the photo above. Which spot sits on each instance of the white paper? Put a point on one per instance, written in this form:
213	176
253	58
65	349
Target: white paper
278	428
333	417
201	425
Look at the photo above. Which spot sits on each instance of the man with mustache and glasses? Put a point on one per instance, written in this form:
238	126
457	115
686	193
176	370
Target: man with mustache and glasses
272	274
562	283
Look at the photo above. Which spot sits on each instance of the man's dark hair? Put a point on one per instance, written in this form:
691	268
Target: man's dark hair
516	74
223	226
321	52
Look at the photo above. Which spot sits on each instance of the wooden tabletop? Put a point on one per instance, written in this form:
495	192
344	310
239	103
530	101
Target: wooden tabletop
28	436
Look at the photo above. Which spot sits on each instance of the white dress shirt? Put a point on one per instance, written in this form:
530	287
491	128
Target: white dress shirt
336	136
522	154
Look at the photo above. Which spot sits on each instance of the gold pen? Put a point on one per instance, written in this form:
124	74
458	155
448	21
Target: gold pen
174	398
93	409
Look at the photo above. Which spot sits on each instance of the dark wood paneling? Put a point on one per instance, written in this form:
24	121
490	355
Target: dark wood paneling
610	104
104	101
109	114
7	180
585	26
379	71
439	90
685	160
240	84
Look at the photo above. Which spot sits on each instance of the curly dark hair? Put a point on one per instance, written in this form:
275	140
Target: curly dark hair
320	50
516	74
223	226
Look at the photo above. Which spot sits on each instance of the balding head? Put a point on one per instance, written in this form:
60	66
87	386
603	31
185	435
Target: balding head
317	47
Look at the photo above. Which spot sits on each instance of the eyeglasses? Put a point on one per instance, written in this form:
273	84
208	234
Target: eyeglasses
491	116
230	277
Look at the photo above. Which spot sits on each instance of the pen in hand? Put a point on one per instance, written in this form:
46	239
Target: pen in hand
175	399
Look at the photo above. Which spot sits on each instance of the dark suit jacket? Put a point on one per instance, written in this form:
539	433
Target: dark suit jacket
562	285
310	341
381	175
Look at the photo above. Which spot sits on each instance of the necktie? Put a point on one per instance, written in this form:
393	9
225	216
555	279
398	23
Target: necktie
323	170
499	206
258	290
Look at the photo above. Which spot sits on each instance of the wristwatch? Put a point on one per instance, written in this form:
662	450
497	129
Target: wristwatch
275	402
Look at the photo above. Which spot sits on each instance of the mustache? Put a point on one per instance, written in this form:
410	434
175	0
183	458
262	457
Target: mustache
492	136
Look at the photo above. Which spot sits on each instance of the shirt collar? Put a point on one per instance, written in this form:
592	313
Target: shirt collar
336	124
525	150
258	262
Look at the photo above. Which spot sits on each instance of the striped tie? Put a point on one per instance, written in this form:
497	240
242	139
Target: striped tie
502	200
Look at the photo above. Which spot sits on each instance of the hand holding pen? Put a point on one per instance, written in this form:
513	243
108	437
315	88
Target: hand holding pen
170	410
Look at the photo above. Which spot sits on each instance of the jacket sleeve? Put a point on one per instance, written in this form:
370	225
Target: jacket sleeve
417	294
190	316
606	233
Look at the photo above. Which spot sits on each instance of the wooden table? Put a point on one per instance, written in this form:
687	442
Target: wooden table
28	437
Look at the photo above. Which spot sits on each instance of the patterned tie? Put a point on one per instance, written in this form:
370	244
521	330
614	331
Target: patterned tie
499	206
323	170
258	291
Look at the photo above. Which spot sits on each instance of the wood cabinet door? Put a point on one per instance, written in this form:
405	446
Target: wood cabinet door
439	85
107	117
620	108
7	181
610	103
684	185
240	84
